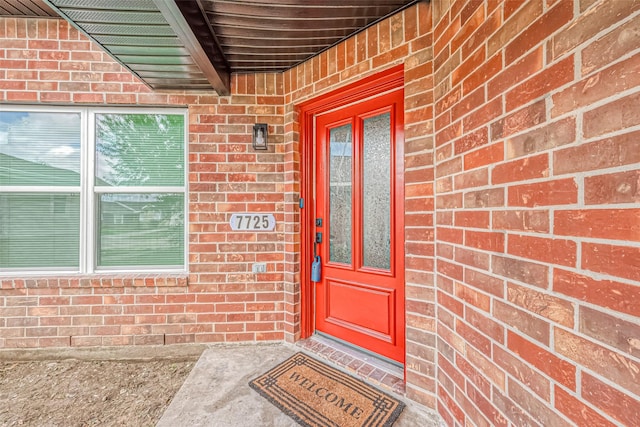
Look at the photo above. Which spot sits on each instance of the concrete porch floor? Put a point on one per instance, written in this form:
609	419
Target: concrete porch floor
217	392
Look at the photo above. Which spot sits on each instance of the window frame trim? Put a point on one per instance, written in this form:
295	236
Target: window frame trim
88	191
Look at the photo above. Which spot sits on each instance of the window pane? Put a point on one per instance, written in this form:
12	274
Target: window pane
39	148
140	230
377	192
139	150
39	230
340	167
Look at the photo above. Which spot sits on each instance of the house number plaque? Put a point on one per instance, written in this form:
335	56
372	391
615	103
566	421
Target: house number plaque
252	222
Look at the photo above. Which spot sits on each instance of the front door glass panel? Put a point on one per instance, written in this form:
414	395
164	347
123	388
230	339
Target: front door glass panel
340	190
376	192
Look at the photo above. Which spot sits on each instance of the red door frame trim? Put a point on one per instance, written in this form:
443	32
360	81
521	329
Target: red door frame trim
378	83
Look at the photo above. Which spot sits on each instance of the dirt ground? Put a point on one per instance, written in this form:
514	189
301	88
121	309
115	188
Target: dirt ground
118	391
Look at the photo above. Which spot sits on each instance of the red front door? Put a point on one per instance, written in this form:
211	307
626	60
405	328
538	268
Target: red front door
359	212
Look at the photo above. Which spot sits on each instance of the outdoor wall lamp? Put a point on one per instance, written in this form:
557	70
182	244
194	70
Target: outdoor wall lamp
260	134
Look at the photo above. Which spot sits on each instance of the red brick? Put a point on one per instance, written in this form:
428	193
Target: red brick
476	377
449	167
560	370
490	369
472	258
550	135
612	401
513	411
484	282
515	73
555	309
616	332
521	170
533	406
605	83
518	369
605	293
451	270
621	187
535	328
621	370
471	296
482	32
451	406
539	30
620	114
493	197
542	83
467	67
483	74
518	121
471	140
621	261
611	152
523	271
445	34
448	100
22	96
469	103
473	337
579	412
553	251
522	220
473	219
609	48
488	409
557	192
488	241
486	324
620	224
484	156
514	23
603	15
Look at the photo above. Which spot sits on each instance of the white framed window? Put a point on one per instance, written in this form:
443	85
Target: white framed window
92	189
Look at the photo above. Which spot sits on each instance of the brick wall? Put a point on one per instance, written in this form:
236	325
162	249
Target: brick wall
47	61
405	38
521	198
538	222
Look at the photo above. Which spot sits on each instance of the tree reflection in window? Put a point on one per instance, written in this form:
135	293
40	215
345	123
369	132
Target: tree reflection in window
139	149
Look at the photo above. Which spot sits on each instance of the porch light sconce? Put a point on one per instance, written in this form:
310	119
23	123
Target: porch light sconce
260	134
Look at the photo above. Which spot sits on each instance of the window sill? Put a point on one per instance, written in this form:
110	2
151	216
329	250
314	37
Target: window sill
103	280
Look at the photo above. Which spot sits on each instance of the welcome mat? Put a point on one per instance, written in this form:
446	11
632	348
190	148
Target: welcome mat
317	395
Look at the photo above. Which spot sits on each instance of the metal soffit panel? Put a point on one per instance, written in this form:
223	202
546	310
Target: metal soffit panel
138	35
197	44
25	8
278	34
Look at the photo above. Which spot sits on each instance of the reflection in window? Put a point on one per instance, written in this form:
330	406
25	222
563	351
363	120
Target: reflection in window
139	149
141	229
340	167
39	148
135	201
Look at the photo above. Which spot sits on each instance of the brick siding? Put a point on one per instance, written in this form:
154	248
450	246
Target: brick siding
521	199
537	215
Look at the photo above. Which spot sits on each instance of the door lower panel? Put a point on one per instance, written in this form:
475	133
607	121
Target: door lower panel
343	308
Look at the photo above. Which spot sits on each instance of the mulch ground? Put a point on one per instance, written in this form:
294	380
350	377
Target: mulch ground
88	392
